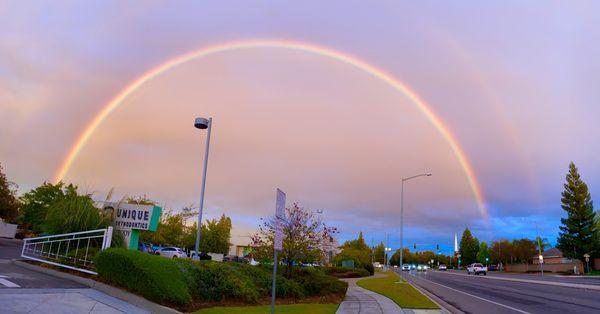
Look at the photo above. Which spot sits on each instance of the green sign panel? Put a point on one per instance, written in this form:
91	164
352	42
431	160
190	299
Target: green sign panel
129	219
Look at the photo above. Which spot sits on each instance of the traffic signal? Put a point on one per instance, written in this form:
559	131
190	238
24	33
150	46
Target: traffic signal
415	246
437	247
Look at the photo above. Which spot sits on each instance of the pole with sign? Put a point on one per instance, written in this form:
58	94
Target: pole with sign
278	241
541	257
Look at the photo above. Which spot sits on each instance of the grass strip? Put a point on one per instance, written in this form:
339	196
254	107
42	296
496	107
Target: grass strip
286	309
405	295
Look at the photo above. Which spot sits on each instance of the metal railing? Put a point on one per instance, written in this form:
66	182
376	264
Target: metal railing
70	250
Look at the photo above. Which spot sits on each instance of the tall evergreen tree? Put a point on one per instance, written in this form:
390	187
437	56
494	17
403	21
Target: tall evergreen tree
469	246
578	233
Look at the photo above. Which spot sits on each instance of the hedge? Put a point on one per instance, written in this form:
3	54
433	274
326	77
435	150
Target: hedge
345	272
178	281
154	277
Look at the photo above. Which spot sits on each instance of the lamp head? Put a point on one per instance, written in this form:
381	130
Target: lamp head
201	123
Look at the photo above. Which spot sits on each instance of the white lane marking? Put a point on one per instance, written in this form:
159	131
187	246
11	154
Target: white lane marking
474	296
539	282
8	283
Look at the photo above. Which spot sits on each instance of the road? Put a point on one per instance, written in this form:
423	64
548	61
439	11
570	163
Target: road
476	294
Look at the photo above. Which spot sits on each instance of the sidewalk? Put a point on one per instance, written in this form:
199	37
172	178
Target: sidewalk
359	300
62	301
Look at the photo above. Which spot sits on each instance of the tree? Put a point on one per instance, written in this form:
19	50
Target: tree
578	233
215	235
9	204
357	251
501	252
35	203
74	213
303	236
523	250
483	255
379	253
469	246
541	244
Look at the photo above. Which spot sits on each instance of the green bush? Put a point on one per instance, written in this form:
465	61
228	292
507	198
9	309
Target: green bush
154	277
314	281
370	268
177	281
345	272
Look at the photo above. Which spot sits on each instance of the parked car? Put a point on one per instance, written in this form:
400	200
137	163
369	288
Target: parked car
442	267
171	252
405	267
203	256
145	247
237	259
477	268
493	267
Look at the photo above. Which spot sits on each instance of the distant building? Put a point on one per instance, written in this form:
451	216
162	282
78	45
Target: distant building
553	256
330	248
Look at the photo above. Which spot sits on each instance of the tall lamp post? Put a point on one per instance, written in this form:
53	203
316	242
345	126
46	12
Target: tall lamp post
202	123
428	174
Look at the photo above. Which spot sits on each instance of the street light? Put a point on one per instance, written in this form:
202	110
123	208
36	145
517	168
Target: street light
428	174
202	123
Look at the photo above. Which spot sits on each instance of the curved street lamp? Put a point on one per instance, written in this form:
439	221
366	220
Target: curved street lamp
428	174
202	124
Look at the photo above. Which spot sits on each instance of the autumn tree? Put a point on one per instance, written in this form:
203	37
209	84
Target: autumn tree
379	253
303	236
9	203
523	250
501	251
578	233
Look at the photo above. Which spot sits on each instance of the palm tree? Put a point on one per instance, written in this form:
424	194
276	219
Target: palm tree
541	244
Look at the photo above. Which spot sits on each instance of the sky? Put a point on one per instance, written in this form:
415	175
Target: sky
515	83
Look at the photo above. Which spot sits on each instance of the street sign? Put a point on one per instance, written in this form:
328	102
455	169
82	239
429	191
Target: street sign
587	257
279	215
541	257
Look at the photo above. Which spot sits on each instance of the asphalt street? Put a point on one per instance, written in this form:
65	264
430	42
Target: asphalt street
22	277
476	294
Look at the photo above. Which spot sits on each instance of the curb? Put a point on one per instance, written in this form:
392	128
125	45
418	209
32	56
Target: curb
102	287
444	306
539	282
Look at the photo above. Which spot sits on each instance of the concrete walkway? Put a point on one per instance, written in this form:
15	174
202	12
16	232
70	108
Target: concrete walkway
359	300
62	301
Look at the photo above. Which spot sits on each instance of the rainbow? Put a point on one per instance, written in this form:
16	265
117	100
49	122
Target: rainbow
396	84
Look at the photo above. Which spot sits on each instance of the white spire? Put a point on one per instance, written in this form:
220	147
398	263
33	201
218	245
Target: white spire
455	243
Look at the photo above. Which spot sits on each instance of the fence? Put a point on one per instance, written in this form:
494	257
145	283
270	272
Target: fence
555	268
70	250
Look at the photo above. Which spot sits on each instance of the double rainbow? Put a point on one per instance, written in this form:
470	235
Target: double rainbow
280	44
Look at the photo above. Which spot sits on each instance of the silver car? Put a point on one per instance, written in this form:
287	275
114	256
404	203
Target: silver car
171	252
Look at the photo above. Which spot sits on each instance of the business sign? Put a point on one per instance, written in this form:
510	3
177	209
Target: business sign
279	216
129	219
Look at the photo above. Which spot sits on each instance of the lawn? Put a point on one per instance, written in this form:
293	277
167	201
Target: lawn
287	309
405	295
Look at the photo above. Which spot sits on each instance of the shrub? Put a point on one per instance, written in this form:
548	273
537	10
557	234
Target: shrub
177	281
154	277
344	272
316	282
370	268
